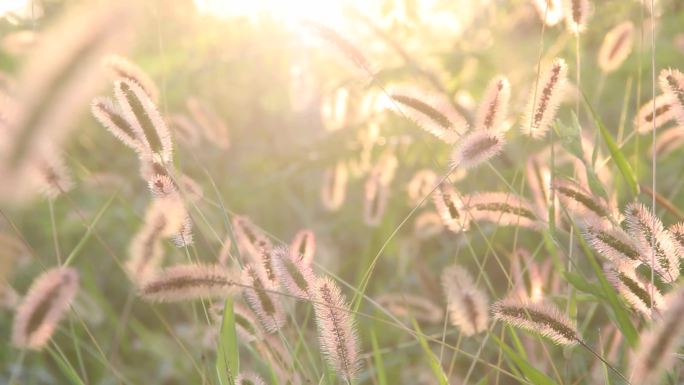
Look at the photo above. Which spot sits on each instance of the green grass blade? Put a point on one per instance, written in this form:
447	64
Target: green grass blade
615	152
227	357
533	375
435	366
66	368
377	358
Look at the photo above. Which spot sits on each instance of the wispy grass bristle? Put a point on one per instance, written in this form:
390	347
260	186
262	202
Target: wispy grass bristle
577	15
476	148
544	101
43	307
658	346
341	44
432	113
493	108
259	293
450	208
249	378
334	187
612	243
640	295
111	117
656	245
467	305
420	185
303	246
249	237
190	282
616	46
336	329
543	319
502	209
664	113
550	12
123	68
294	275
427	225
672	84
580	202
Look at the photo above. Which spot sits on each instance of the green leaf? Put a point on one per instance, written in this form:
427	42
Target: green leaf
227	357
581	284
66	368
533	375
615	152
432	360
377	357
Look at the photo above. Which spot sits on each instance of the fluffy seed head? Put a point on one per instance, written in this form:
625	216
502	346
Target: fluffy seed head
161	185
667	142
295	276
664	113
184	237
411	306
432	113
493	108
577	15
581	203
616	46
125	69
43	307
375	201
141	112
657	348
303	246
211	124
341	44
672	84
250	238
249	378
656	245
110	116
246	326
466	303
259	294
189	282
336	329
503	209
545	99
477	147
612	243
549	11
51	176
543	319
421	184
640	295
334	188
450	208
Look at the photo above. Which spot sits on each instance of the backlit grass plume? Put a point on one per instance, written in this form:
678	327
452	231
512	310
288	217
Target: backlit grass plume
43	306
658	346
261	298
477	147
123	68
550	12
581	203
664	113
427	225
544	101
249	378
432	113
543	319
336	329
163	218
616	46
493	108
294	275
656	245
672	84
54	83
334	188
141	112
667	142
420	185
374	201
467	305
450	208
51	175
303	246
211	124
190	282
577	15
612	243
111	117
411	306
502	209
341	44
640	295
250	238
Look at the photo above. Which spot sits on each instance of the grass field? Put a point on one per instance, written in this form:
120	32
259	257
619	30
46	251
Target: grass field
358	192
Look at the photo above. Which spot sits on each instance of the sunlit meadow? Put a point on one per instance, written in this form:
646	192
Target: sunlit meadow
341	192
